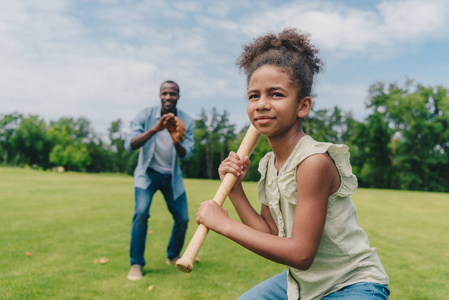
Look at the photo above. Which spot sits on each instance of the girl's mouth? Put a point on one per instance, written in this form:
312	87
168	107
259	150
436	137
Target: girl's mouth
263	120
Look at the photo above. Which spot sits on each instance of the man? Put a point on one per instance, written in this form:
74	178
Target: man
164	134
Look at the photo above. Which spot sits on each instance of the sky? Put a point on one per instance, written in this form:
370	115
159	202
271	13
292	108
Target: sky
105	60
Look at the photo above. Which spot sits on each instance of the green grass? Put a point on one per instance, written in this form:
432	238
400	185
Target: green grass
67	220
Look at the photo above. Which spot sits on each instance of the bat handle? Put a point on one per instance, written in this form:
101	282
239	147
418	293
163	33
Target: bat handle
185	263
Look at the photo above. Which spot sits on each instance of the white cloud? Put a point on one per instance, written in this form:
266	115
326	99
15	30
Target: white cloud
188	6
50	6
414	19
344	31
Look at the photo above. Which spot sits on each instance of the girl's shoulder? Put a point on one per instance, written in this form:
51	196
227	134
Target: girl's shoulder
307	147
339	153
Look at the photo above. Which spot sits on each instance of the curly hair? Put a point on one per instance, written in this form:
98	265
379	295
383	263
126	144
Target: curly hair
290	50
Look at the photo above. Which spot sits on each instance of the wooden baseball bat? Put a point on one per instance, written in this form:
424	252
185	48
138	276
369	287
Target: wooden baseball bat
185	263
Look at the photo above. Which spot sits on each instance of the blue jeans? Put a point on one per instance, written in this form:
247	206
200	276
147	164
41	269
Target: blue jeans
177	207
360	291
271	289
275	288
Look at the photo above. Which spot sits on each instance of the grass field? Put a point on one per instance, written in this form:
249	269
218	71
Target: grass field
53	226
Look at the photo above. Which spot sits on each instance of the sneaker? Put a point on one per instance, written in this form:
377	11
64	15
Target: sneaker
135	273
172	261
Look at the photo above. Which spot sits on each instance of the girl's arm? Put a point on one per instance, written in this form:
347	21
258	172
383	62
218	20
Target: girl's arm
247	214
317	178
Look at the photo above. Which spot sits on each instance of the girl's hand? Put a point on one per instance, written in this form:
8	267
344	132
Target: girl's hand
211	215
234	165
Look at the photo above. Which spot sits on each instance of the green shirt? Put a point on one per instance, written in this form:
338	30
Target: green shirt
344	256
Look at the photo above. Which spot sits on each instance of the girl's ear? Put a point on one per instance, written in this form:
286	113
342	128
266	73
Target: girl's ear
304	107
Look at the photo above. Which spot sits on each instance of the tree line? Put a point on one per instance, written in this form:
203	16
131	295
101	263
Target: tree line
402	144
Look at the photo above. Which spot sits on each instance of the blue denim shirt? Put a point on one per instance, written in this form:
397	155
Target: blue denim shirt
145	120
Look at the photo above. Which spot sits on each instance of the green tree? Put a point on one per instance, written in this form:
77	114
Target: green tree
334	126
213	136
102	159
31	142
120	159
8	127
72	157
71	138
418	119
371	157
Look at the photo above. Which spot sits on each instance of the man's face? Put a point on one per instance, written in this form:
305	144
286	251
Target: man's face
169	97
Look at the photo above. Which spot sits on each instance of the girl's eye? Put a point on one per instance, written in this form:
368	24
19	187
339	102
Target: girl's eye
253	96
276	95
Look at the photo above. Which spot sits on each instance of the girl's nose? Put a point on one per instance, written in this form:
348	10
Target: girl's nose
263	103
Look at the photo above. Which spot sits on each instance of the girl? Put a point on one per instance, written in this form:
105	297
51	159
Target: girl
307	221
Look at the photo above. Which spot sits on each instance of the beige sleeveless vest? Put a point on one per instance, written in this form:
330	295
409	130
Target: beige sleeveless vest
344	256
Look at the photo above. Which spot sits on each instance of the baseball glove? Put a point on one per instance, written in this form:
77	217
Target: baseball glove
176	128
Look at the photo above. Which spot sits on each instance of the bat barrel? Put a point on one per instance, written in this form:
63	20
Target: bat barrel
185	263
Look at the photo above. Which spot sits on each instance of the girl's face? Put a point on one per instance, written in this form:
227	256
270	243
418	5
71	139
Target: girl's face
273	105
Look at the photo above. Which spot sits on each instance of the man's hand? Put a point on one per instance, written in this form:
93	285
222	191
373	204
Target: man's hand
176	128
160	125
